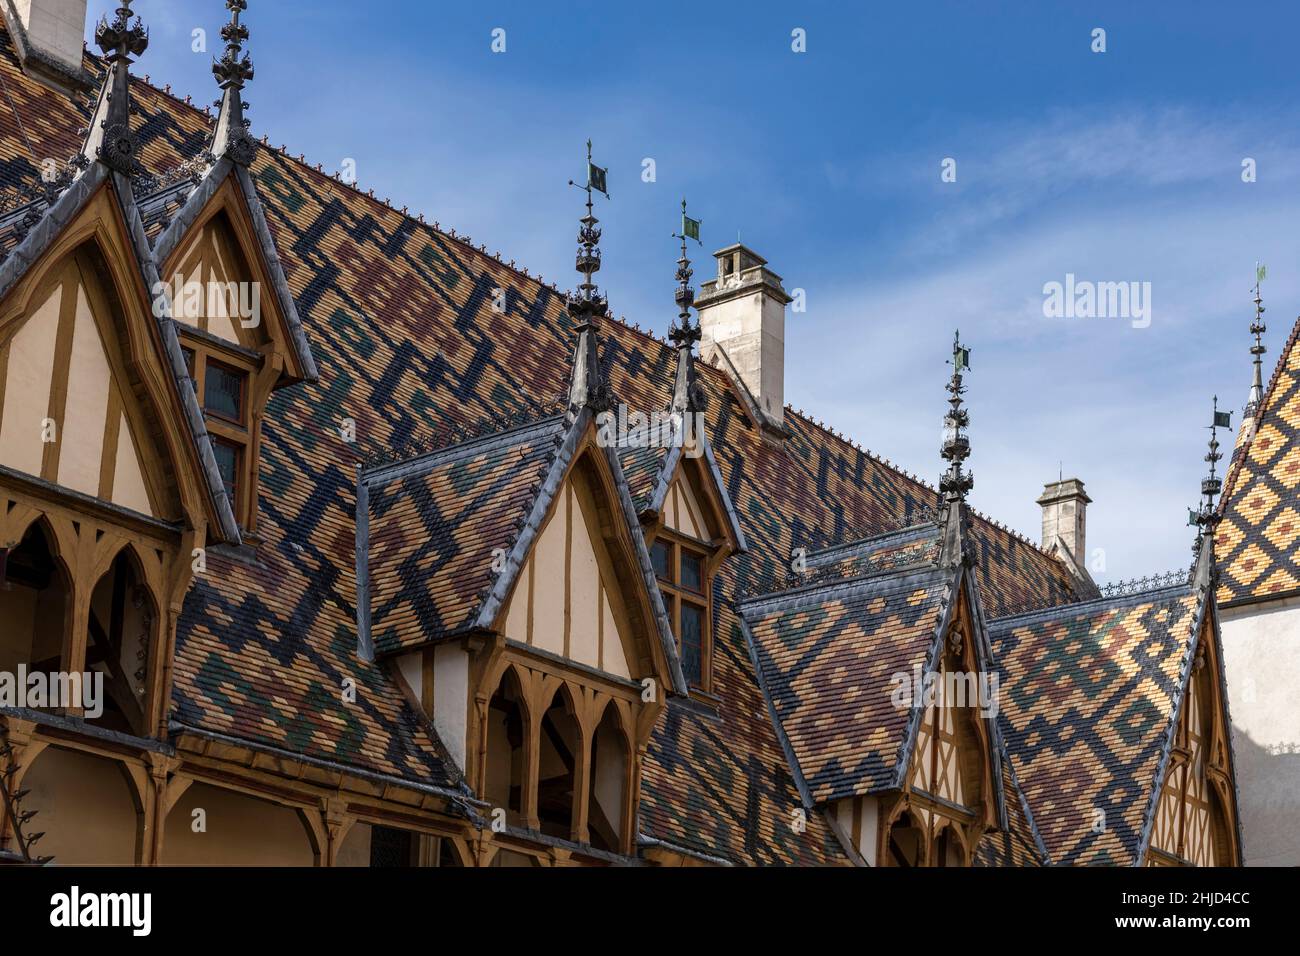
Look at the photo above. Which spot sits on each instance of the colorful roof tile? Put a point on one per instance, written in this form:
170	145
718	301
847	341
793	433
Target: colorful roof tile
1258	540
1088	697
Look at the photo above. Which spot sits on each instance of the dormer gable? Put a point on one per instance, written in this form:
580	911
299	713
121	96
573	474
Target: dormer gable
78	324
236	319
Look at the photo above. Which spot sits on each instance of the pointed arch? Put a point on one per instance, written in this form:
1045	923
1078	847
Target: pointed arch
36	605
505	770
124	627
608	808
561	752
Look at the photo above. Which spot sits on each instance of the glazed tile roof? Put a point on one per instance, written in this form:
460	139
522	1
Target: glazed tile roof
1259	539
828	656
1020	844
435	523
1088	697
399	316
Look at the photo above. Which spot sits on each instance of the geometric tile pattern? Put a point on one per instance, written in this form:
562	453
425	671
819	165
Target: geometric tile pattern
1087	699
434	531
1258	542
401	319
828	659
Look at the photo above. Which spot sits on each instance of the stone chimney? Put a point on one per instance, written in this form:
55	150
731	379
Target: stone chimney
742	315
48	36
1065	512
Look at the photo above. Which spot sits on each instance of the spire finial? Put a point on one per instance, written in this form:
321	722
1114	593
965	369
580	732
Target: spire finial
587	306
230	136
1257	329
1206	518
109	138
956	446
687	396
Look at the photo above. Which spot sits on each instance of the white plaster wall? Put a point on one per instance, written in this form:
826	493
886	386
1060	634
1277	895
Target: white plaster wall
1261	649
451	699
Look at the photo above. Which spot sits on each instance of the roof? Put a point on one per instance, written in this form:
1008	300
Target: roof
435	525
1258	541
1089	695
400	320
827	657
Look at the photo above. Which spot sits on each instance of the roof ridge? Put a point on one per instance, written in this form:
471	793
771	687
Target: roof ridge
1117	599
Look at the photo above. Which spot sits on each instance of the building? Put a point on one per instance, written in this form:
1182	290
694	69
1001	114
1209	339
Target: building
1259	595
389	553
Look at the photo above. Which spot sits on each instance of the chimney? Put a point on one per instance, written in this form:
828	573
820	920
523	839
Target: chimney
48	36
742	315
1065	511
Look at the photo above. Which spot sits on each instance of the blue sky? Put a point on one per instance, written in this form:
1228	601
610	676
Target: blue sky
1115	166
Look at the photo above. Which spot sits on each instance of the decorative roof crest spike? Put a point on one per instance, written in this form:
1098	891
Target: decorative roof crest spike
587	306
109	138
688	396
1257	329
956	483
230	138
1206	518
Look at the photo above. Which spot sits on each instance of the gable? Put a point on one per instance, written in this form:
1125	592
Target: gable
1194	815
69	413
683	511
570	598
213	286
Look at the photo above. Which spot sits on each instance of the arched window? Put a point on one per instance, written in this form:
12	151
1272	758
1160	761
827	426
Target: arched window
35	604
561	742
505	772
609	778
122	626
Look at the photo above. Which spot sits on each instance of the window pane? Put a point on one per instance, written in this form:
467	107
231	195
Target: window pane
693	643
227	456
692	571
659	557
224	392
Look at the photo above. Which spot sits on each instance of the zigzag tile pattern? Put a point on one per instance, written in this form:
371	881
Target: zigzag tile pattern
433	533
1087	698
399	315
829	657
1258	542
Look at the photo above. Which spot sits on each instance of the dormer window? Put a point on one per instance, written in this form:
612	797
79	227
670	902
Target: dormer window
682	570
223	393
220	378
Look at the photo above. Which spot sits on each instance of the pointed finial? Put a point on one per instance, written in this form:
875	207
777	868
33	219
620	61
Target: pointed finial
1206	518
109	138
230	137
587	306
1257	329
687	394
956	446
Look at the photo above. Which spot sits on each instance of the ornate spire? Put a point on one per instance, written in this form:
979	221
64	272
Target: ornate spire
687	396
587	306
230	136
109	138
1206	518
1257	329
955	483
956	446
